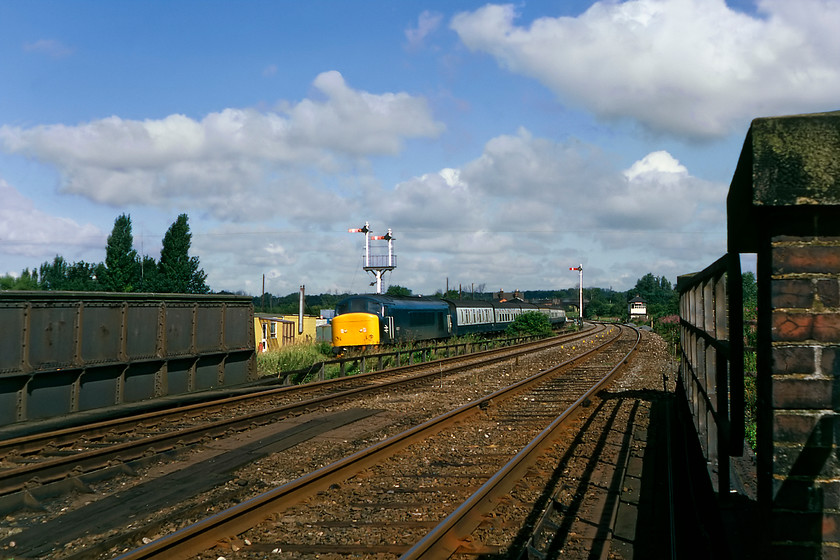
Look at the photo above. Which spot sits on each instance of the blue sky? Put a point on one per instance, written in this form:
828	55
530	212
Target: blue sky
502	143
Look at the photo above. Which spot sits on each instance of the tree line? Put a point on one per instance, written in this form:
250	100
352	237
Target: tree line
124	270
660	295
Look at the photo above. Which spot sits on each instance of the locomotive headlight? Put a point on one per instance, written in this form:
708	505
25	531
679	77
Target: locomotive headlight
363	329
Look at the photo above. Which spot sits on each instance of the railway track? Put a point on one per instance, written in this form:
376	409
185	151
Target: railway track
43	465
75	516
420	493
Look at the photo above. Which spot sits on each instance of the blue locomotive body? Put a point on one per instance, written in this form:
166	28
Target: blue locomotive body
408	319
400	319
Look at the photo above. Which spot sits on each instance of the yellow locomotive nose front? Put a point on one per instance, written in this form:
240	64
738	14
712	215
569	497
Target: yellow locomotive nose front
355	329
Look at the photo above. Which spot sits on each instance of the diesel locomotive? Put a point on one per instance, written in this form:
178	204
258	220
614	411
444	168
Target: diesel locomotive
369	320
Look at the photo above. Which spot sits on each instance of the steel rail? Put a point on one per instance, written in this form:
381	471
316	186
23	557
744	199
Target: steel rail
448	535
34	442
202	535
13	480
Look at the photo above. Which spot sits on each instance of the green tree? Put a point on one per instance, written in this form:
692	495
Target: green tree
83	277
121	264
750	292
661	298
397	291
604	303
530	323
750	289
26	281
54	275
177	271
148	275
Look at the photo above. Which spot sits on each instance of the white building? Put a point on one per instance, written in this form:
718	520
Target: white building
637	308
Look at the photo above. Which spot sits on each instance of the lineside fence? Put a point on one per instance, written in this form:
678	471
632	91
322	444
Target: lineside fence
65	352
712	362
365	363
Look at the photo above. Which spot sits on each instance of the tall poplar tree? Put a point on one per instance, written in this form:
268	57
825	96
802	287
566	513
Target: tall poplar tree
121	264
177	271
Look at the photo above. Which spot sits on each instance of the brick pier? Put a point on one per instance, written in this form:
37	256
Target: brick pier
784	205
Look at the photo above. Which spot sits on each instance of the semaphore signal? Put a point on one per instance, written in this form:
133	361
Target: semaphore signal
579	268
377	264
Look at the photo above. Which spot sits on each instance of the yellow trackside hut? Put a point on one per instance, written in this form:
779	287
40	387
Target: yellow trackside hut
309	327
272	332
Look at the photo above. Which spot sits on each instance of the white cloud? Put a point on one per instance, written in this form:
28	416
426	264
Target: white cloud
514	217
231	153
527	205
656	162
686	67
427	23
29	232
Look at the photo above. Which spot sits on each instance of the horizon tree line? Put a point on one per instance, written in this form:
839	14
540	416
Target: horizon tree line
124	270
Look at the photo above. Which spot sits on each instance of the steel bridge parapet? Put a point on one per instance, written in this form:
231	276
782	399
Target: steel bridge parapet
67	352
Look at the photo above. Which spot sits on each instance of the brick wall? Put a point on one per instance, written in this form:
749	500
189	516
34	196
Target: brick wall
784	205
804	336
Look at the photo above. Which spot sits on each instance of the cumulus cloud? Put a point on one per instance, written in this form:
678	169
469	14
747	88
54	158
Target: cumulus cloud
427	23
27	231
229	153
525	184
527	203
694	68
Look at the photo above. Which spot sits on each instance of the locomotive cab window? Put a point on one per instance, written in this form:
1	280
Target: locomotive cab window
359	306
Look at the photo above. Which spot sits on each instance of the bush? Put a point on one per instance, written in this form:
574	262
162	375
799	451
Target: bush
292	357
530	323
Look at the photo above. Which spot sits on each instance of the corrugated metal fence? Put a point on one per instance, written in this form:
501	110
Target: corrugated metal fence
65	352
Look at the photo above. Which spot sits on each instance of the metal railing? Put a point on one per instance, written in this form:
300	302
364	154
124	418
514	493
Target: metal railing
400	356
379	261
712	364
